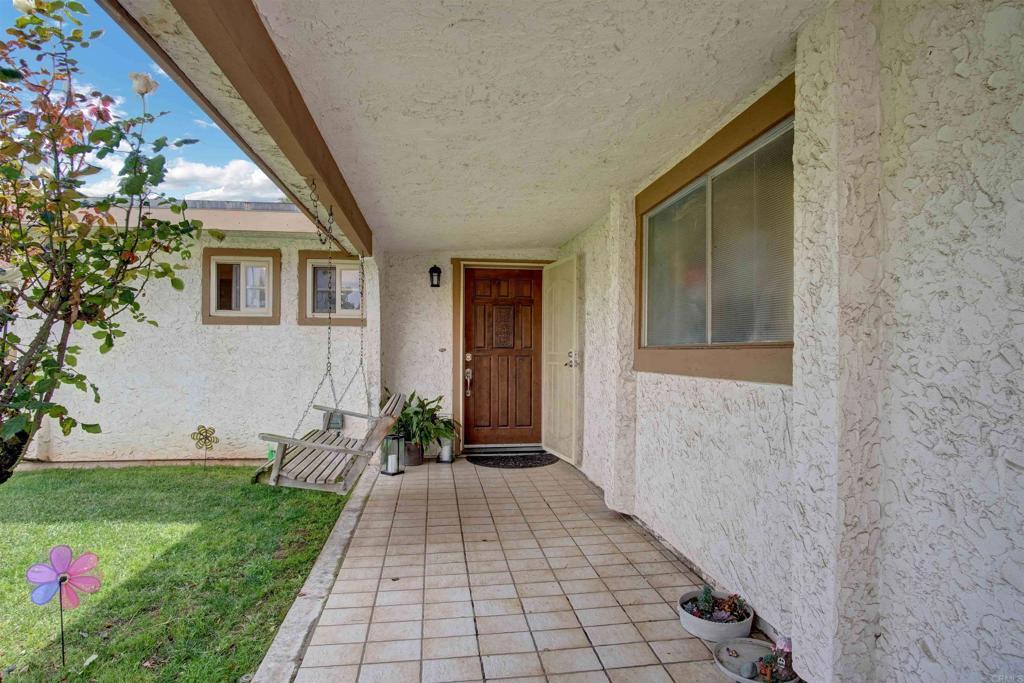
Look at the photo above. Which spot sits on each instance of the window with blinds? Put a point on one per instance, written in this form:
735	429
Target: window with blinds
718	255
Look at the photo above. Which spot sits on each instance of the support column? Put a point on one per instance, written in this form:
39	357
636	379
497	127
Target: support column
838	356
620	492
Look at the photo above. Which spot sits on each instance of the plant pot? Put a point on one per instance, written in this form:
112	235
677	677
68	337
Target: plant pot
445	454
713	631
413	454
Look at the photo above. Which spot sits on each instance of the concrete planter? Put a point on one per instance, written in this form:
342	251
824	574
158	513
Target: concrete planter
713	631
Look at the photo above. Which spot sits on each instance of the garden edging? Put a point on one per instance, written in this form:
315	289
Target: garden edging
282	660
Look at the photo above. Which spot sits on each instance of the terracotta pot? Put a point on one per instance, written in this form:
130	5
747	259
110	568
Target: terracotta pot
713	631
413	454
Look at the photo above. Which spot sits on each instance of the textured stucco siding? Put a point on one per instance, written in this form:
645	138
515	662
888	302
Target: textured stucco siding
158	383
953	450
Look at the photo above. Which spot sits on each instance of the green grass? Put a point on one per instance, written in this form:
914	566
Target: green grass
199	567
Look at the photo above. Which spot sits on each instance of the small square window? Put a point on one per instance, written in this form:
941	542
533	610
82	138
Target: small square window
332	289
242	286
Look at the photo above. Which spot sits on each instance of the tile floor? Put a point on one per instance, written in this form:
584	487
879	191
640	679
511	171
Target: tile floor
466	573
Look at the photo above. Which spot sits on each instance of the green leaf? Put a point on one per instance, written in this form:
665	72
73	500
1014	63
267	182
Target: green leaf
9	75
133	185
216	234
91	428
177	283
12	426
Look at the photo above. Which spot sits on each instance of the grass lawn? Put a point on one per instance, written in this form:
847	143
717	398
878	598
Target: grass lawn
199	567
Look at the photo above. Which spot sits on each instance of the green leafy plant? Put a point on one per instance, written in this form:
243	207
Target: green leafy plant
422	422
70	263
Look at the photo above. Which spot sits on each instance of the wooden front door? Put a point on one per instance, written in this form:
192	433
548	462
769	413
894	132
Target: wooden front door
502	362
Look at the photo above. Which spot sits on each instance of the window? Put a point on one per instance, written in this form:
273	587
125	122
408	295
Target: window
719	253
715	253
241	286
329	289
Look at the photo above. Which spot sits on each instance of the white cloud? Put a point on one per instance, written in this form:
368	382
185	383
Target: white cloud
204	123
239	180
156	67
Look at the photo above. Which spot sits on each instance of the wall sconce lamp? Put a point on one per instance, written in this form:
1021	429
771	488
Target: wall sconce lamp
435	276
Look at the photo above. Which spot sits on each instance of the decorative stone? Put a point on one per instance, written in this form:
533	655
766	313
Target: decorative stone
748	670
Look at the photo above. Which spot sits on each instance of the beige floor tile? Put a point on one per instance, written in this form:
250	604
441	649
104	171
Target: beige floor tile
626	655
398	613
446	648
499	592
643	674
510	666
600	616
560	639
592	600
344	633
683	650
332	655
391	651
537	590
448	670
545	621
580	677
505	624
551	603
614	634
412	597
569	661
669	629
506	643
395	630
404	583
446	581
696	672
583	586
355	586
348	615
458	594
497	608
448	610
659	612
439	628
328	674
389	673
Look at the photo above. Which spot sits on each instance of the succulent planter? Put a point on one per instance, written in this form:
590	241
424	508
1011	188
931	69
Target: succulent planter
713	631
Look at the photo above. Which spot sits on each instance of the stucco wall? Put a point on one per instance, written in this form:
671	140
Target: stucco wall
953	444
416	340
159	383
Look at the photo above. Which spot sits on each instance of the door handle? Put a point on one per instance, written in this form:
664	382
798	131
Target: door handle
468	374
572	362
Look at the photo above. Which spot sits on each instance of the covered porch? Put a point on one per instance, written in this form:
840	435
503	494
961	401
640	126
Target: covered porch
849	461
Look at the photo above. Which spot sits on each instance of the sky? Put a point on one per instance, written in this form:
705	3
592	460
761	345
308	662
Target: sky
213	168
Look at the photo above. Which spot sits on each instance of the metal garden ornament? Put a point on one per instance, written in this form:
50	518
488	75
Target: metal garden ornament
205	440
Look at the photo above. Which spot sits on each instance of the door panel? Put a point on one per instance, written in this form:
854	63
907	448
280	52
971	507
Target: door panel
561	360
502	326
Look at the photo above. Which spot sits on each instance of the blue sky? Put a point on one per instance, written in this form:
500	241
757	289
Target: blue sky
214	168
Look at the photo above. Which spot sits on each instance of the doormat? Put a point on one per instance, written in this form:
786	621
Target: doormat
514	460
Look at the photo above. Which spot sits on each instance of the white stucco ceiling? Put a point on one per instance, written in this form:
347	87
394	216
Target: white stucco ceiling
479	123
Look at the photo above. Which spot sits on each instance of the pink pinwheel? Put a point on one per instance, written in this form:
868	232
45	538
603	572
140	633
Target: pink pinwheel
65	573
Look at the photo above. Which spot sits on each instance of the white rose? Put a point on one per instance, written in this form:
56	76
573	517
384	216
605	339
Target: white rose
24	6
142	83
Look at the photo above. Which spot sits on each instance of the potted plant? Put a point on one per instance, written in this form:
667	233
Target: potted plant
715	615
421	423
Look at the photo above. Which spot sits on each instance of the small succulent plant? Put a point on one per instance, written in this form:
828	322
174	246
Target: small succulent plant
725	610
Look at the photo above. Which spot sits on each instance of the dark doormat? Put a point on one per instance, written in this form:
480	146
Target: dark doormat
514	461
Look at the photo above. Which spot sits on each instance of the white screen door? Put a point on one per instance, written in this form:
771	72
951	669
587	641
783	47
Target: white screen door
560	378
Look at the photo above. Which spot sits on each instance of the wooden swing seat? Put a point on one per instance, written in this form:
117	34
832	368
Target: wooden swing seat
326	458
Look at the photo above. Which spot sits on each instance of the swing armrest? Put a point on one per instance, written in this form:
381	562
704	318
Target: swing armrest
288	441
350	413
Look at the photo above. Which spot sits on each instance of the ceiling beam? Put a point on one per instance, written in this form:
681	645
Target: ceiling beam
233	34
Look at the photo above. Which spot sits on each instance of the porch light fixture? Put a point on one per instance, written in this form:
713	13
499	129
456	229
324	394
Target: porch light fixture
392	455
435	276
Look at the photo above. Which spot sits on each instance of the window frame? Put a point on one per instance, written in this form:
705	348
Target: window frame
767	362
308	258
271	315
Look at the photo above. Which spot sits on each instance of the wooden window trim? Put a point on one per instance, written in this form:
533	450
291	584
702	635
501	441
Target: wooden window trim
765	362
209	318
307	255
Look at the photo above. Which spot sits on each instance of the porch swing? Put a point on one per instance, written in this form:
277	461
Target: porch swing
326	458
